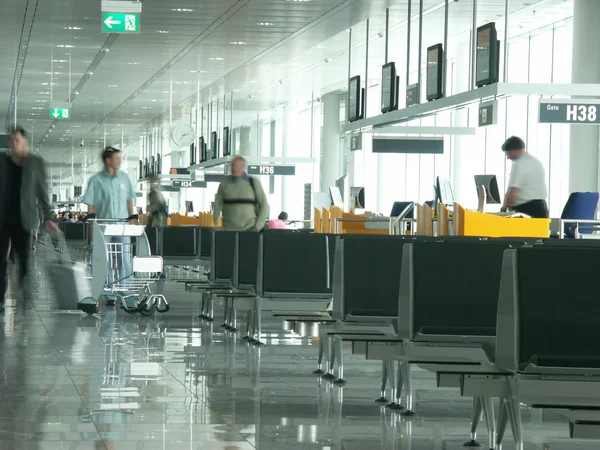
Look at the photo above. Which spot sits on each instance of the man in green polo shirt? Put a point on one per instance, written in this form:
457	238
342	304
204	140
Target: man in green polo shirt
110	195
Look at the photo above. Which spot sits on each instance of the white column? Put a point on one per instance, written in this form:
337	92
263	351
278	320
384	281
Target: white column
331	152
289	201
463	148
583	156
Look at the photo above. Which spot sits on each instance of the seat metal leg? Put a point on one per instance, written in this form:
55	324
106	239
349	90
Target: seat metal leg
514	417
502	423
233	319
249	316
384	379
400	374
476	413
331	354
227	313
258	315
338	343
322	338
488	412
409	393
391	368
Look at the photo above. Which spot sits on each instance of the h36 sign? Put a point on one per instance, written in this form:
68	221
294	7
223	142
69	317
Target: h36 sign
570	111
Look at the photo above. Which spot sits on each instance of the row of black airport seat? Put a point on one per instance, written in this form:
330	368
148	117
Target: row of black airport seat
530	302
435	293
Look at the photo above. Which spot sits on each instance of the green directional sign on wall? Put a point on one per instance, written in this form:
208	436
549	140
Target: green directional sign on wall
120	22
60	113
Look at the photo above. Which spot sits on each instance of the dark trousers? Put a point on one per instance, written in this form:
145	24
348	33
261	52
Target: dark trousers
536	209
18	238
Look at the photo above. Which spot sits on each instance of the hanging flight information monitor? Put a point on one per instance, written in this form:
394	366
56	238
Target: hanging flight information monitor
435	76
192	155
214	145
487	55
354	97
226	142
389	88
202	149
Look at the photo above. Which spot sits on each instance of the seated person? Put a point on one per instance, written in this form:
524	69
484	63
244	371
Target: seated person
278	224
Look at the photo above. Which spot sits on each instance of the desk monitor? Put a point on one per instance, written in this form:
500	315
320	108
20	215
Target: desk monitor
357	197
487	190
336	196
443	192
189	207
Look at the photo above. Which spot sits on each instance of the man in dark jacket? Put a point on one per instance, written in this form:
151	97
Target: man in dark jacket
23	185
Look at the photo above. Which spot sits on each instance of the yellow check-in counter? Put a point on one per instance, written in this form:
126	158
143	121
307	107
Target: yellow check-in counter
473	223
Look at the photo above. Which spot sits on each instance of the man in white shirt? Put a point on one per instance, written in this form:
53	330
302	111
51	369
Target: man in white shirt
527	189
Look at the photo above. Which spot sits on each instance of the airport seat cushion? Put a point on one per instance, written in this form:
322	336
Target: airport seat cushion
557	304
371	281
456	286
295	263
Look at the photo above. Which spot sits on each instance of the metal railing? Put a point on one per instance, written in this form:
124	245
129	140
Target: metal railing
580	224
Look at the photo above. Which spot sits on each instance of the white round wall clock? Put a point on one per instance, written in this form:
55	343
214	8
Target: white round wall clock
183	135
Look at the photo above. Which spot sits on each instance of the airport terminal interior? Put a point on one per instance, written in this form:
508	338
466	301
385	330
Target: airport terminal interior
410	300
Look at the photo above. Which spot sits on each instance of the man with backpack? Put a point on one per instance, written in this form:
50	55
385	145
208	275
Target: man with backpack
241	200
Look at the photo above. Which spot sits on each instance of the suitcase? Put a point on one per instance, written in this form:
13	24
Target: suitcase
71	282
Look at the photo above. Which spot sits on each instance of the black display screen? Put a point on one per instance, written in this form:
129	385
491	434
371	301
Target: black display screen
434	72
354	99
226	144
483	54
388	88
487	55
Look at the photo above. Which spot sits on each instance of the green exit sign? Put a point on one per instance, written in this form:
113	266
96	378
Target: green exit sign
120	22
60	113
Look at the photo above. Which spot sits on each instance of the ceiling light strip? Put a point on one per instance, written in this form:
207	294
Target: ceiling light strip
187	49
28	20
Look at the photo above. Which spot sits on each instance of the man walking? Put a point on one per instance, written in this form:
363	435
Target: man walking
23	185
242	200
110	195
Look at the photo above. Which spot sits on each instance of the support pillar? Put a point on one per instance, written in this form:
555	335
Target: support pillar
331	152
583	156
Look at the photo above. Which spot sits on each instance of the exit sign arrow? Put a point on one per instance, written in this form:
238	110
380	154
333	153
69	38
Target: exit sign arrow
110	21
55	113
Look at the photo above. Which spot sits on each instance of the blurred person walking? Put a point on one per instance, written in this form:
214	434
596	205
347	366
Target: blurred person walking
242	200
23	186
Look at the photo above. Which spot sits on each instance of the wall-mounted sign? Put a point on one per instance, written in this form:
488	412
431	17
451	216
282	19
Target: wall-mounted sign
416	145
570	111
487	113
271	170
413	94
356	142
189	184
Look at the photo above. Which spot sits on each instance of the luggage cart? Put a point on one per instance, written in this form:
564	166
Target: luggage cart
136	284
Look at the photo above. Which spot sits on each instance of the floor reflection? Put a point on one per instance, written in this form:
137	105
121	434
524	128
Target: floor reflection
174	382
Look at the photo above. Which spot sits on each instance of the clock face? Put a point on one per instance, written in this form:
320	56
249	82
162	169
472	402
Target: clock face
183	135
78	181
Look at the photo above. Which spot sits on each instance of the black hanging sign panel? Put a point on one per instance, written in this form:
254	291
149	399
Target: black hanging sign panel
271	170
487	113
573	111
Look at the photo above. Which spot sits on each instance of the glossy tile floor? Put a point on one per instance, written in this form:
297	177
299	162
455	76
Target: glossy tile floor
122	382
